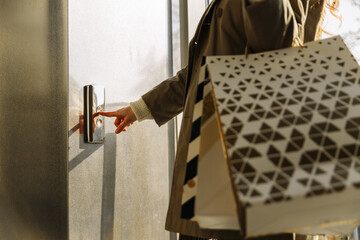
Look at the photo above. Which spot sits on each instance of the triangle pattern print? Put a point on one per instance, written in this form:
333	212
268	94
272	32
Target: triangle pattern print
291	120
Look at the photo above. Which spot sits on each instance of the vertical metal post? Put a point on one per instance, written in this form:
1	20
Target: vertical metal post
171	124
184	41
184	32
207	2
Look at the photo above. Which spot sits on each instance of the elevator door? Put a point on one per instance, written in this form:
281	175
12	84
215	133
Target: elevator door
33	120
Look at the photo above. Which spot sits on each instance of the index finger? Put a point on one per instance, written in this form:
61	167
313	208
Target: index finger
108	114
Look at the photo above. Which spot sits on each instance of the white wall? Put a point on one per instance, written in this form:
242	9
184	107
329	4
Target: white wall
119	189
348	27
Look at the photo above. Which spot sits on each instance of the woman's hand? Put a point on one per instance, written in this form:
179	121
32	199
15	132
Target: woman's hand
124	118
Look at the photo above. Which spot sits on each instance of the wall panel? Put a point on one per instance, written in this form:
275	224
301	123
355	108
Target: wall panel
118	189
33	120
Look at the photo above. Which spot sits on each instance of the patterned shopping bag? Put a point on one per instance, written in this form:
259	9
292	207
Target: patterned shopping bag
290	132
212	192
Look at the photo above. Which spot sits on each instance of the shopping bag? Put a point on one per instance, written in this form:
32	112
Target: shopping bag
289	126
209	200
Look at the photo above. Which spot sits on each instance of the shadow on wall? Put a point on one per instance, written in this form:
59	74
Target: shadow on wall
76	124
109	178
109	158
108	189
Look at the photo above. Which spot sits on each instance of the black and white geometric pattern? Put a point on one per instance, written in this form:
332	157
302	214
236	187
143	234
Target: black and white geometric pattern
291	120
190	182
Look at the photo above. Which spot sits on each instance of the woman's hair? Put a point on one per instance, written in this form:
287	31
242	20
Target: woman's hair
331	6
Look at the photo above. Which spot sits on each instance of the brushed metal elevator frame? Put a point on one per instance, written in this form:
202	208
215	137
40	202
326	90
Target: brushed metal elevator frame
34	119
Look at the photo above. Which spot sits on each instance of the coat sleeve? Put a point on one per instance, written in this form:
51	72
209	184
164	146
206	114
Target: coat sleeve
166	100
269	24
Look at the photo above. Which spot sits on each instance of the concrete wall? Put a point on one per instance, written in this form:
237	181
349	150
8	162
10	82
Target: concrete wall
119	189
